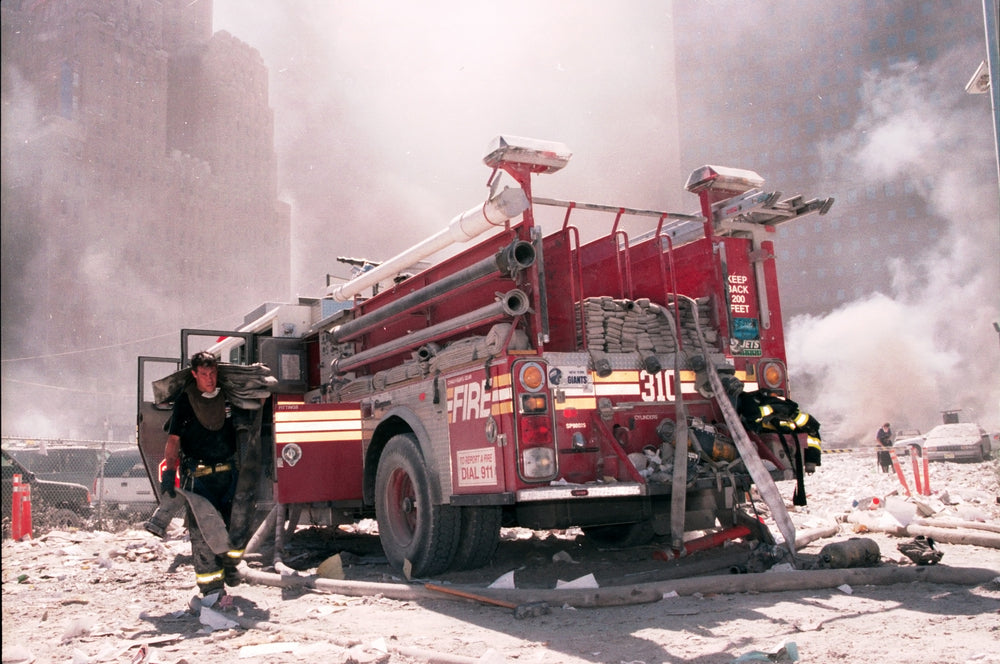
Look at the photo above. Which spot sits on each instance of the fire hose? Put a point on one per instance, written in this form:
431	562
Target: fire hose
748	451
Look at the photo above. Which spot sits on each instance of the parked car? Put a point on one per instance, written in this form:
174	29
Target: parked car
905	438
60	463
961	441
57	504
125	484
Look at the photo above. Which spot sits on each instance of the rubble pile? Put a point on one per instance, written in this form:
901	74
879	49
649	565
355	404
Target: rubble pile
850	490
94	596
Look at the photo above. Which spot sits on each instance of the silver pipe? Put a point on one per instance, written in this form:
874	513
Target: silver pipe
495	212
516	256
512	303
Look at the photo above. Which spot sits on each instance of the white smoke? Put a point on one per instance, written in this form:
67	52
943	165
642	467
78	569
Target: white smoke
384	111
929	344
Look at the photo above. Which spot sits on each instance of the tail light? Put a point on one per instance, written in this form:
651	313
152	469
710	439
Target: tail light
772	374
535	435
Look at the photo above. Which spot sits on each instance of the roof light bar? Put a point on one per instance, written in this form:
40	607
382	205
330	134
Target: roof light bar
735	180
542	156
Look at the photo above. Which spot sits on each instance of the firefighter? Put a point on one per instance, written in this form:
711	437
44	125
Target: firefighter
884	438
201	443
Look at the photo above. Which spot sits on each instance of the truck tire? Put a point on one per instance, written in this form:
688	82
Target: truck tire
478	538
410	526
622	535
64	518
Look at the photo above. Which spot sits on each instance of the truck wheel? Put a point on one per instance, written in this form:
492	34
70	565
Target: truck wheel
478	538
621	535
410	526
64	518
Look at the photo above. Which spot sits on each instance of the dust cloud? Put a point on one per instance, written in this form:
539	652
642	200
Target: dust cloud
928	344
382	115
383	112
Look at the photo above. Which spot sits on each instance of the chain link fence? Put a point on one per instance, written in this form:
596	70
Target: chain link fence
77	484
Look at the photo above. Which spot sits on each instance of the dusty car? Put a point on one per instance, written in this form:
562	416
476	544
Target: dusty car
59	463
905	438
124	484
57	504
962	441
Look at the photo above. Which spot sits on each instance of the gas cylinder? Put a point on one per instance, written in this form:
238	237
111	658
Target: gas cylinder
854	552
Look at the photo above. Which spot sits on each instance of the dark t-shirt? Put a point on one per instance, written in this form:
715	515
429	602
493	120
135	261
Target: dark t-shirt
198	443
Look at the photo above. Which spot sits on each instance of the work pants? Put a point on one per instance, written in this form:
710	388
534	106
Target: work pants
210	569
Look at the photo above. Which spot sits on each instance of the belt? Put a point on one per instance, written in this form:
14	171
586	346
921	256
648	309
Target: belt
203	469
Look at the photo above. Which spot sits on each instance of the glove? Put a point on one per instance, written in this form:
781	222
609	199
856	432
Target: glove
168	481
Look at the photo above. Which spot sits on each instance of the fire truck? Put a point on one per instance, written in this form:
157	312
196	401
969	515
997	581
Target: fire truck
532	379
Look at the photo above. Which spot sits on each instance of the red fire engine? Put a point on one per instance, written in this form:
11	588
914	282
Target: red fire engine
532	379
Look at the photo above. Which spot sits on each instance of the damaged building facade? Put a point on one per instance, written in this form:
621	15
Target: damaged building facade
138	159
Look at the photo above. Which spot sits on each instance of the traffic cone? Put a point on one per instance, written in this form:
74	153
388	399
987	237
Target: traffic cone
916	470
15	508
26	511
927	478
899	471
20	512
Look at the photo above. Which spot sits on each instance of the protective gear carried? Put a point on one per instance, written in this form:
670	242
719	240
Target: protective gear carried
764	411
168	482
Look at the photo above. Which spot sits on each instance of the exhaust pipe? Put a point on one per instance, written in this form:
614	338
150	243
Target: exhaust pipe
512	303
495	212
517	256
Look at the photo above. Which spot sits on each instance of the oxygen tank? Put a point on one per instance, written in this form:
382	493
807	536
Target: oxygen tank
855	552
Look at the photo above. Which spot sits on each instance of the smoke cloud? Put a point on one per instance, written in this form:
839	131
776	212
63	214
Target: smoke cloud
928	344
383	112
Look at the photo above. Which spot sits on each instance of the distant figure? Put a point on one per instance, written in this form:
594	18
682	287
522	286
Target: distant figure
884	437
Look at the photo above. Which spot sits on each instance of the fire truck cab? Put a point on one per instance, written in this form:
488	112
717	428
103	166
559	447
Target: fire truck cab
531	379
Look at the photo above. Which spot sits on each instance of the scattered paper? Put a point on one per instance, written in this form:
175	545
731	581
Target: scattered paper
504	581
846	589
214	620
587	581
331	568
267	649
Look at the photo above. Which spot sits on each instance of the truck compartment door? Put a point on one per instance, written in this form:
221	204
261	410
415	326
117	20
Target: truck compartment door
318	452
151	416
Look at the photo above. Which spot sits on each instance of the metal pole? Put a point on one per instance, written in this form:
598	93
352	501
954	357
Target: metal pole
990	12
100	485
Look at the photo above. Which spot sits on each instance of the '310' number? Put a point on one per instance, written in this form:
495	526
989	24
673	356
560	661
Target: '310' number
656	387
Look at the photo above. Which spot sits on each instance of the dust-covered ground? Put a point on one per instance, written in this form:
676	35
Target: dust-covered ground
85	597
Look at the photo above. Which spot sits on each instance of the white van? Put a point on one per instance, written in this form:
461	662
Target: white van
125	484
